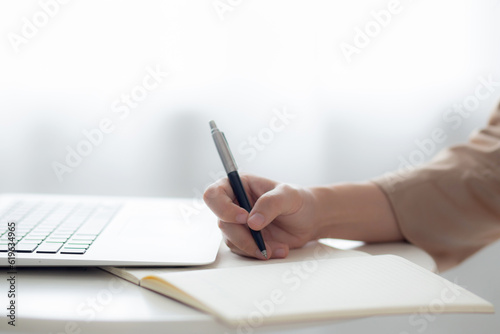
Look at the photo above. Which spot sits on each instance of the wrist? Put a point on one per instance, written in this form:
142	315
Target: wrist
354	211
326	213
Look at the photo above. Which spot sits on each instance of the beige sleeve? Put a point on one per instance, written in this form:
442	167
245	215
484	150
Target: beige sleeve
450	207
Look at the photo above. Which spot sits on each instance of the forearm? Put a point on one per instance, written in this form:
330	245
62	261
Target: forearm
354	211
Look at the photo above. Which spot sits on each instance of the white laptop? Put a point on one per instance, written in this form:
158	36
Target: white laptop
66	230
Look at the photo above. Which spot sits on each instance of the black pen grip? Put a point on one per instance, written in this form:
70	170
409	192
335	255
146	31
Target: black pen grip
241	197
239	190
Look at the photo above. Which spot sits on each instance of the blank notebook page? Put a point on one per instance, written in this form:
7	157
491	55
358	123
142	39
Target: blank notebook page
319	289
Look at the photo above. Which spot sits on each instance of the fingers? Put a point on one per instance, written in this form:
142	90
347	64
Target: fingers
220	199
247	247
239	239
277	250
282	200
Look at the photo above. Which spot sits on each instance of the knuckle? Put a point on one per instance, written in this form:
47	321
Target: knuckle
289	193
221	224
245	176
228	243
285	188
211	193
272	198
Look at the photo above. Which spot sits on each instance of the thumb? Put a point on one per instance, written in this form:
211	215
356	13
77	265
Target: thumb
282	200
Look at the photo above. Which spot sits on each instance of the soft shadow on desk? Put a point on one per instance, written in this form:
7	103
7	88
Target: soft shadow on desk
227	259
406	250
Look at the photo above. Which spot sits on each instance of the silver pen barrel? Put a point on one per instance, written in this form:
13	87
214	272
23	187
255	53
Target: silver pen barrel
223	149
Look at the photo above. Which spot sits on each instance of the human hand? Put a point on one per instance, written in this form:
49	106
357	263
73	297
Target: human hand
283	214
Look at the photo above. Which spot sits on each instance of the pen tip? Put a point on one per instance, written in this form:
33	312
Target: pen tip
212	125
264	252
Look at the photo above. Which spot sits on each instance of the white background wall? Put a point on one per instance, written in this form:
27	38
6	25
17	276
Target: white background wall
351	120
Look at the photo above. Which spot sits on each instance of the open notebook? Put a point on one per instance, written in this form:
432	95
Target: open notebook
313	283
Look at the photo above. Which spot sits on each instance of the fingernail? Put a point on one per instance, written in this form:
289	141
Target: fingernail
280	252
256	220
241	218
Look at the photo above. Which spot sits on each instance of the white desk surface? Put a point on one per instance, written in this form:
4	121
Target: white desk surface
90	300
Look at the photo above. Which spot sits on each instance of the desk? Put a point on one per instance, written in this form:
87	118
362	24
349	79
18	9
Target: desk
90	300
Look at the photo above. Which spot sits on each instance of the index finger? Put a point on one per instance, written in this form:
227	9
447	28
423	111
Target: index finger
220	198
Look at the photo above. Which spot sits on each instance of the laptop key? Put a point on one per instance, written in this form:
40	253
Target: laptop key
85	236
81	240
60	235
73	251
54	239
37	235
76	246
33	241
24	247
49	247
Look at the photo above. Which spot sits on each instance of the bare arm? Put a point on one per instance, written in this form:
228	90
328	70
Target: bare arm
354	211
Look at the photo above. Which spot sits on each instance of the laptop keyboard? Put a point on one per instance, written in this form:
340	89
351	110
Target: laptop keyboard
54	228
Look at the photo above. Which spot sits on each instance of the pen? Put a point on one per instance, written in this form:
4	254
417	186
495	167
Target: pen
234	179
